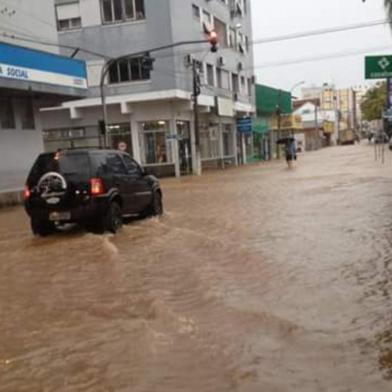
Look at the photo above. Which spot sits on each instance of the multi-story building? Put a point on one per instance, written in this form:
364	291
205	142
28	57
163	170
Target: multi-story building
32	75
151	110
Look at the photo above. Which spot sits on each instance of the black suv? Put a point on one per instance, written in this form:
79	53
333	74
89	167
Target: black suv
96	188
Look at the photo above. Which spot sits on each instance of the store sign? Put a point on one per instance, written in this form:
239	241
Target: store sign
33	75
19	63
244	125
225	107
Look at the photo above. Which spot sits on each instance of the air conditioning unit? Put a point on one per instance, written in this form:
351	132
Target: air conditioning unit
221	62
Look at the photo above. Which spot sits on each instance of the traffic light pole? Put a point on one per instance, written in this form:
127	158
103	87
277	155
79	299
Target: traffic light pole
112	61
196	93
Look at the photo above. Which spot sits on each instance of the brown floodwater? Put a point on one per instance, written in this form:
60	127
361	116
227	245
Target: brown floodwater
255	279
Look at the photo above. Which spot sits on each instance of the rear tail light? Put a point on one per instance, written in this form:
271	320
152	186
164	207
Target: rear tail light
26	192
96	187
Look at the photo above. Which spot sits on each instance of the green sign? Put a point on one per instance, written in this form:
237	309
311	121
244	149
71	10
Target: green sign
378	67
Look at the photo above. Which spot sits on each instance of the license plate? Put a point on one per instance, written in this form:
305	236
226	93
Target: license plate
59	216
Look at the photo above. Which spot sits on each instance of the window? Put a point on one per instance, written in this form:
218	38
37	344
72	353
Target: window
241	43
27	113
129	71
235	83
221	30
247	43
207	20
115	164
131	166
196	11
69	138
232	38
223	79
210	75
115	11
69	24
250	86
154	144
7	118
68	16
243	85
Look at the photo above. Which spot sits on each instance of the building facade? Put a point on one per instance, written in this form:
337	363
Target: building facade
151	110
265	127
30	78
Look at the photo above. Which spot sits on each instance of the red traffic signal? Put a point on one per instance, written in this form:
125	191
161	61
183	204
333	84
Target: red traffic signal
213	40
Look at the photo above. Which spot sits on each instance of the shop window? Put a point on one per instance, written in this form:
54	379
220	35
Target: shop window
154	143
120	133
209	141
27	113
131	70
7	117
117	11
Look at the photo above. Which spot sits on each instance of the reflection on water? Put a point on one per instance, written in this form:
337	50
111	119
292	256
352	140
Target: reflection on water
256	279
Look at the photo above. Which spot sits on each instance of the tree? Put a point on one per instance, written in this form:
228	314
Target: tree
373	103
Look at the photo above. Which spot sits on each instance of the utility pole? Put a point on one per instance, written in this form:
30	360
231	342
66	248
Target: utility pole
195	95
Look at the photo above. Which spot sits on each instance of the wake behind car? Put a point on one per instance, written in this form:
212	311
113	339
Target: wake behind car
92	187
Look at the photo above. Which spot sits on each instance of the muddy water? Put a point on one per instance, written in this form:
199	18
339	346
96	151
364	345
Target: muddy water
256	279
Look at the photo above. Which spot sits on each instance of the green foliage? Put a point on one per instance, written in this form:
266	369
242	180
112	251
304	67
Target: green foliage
374	102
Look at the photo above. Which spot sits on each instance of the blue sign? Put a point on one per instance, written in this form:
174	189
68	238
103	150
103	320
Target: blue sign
17	62
244	125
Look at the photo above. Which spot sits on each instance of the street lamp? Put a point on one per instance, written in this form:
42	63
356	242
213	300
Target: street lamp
297	85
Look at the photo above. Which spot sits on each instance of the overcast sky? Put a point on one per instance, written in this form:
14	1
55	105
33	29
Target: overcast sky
277	17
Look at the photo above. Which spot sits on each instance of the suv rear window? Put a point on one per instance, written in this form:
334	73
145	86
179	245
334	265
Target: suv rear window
71	165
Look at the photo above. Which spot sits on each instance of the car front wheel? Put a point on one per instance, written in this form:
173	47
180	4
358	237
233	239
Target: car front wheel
156	208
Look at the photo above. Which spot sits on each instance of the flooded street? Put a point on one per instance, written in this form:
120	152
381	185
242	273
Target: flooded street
256	279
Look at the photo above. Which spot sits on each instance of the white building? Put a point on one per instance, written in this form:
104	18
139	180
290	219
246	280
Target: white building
152	111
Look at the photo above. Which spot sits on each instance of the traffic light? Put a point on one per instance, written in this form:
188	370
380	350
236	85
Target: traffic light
213	40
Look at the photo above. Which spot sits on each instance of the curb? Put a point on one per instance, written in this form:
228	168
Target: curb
11	198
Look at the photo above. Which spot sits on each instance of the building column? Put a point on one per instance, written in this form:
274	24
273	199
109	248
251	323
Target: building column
174	145
235	145
221	149
243	147
136	148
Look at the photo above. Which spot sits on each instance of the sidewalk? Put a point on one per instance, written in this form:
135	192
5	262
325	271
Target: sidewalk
11	188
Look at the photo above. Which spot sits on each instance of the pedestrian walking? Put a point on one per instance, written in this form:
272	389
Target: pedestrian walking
290	150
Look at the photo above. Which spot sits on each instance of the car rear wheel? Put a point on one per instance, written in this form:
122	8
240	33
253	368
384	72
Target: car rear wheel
42	228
